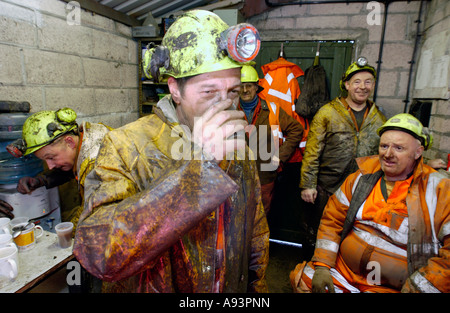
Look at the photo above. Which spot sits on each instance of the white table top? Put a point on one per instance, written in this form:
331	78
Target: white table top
38	263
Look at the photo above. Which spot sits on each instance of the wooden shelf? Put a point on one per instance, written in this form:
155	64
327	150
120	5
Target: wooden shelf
148	88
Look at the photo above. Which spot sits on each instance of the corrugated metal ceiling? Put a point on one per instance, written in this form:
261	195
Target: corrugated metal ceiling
139	9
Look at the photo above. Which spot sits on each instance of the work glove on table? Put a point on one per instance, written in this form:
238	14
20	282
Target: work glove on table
28	184
6	210
321	279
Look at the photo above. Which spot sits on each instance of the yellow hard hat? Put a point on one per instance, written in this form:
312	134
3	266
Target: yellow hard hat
249	74
360	65
409	124
41	129
199	42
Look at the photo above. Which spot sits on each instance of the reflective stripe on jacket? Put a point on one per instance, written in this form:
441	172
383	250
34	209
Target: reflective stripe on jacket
280	132
408	236
281	89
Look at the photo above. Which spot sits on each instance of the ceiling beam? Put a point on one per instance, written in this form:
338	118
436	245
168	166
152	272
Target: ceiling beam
214	6
93	6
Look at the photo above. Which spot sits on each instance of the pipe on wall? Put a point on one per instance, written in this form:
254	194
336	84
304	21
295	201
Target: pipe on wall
413	58
380	51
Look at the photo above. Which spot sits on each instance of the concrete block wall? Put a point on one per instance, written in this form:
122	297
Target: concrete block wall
91	67
342	21
439	124
437	39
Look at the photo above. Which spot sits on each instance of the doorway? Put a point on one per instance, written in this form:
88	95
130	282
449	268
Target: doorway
288	214
335	57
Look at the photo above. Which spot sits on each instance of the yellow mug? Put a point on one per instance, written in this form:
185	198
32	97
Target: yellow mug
27	239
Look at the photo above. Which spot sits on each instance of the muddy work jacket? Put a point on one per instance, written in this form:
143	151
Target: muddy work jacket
334	142
91	136
398	243
261	140
153	218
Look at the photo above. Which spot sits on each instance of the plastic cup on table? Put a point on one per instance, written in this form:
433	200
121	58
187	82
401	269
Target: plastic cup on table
64	232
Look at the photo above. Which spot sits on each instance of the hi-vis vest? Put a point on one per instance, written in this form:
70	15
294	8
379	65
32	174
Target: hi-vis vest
410	227
281	89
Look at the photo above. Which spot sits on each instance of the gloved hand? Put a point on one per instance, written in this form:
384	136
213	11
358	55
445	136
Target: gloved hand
28	184
321	279
6	209
409	287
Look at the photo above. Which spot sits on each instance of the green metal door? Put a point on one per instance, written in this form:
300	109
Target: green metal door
288	217
335	57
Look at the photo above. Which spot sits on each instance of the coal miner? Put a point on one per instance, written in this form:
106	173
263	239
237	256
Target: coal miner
160	220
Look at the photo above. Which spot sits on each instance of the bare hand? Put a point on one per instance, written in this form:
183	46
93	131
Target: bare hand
6	209
215	131
309	195
26	185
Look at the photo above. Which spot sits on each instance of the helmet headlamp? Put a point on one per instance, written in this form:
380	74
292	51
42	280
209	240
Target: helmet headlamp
198	42
242	42
17	148
361	62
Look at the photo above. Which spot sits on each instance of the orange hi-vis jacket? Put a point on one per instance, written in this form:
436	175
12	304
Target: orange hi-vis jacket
401	243
281	89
